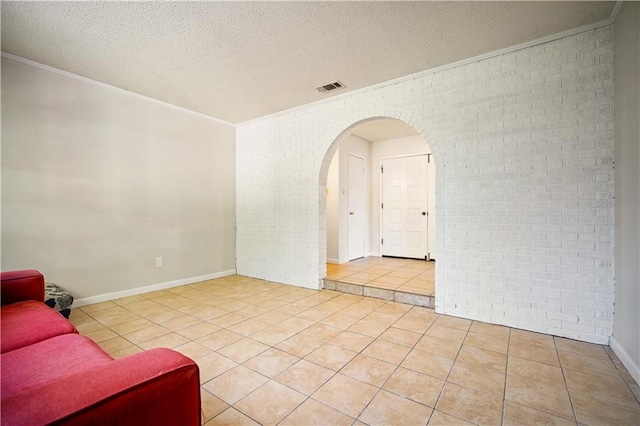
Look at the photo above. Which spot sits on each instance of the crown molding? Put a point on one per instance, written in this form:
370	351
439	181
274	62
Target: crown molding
117	89
484	56
614	12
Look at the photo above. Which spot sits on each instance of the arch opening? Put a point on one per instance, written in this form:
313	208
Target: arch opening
390	137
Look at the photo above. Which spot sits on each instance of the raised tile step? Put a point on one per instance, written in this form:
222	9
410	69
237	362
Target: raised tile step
380	293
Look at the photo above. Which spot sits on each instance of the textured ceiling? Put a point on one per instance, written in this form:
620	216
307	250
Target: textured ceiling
241	60
382	129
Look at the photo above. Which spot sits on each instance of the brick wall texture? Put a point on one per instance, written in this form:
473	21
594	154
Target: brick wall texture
523	147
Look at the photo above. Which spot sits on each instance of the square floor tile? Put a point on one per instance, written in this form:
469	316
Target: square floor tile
211	405
478	378
235	384
433	345
170	340
518	415
369	370
453	322
581	348
115	344
193	350
543	354
299	346
213	365
305	376
227	320
489	329
270	403
590	365
271	362
143	335
219	339
385	351
553	399
330	356
199	330
531	338
446	333
391	409
426	363
345	394
352	341
273	335
243	350
484	341
400	337
314	413
610	390
321	332
593	412
540	372
231	417
483	357
248	327
181	322
438	418
415	386
471	405
368	328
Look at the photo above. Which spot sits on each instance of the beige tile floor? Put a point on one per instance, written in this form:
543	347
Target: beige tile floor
276	354
407	275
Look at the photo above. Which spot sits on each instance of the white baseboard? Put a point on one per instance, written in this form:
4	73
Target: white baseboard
333	261
633	368
149	288
374	254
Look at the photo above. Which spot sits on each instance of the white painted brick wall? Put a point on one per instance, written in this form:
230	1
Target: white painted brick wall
523	145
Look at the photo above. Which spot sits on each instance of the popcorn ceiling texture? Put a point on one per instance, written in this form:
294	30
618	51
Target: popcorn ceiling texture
238	60
523	144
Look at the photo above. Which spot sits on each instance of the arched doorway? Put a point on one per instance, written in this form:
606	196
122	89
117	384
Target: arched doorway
428	147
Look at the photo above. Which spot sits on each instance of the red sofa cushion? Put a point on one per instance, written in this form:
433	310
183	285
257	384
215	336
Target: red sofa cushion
48	361
29	322
71	382
21	285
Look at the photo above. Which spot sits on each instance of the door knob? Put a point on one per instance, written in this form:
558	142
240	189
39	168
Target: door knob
424	213
351	213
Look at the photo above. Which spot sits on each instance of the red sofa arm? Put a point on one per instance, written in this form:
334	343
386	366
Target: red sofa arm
158	386
17	286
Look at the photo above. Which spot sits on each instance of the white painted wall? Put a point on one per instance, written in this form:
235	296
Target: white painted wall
361	148
523	144
97	183
626	330
333	204
388	148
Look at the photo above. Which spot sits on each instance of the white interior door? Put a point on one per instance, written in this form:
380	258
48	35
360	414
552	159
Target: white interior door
404	207
355	197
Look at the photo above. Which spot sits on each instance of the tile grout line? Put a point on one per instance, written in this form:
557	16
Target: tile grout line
446	380
506	374
380	388
566	385
637	397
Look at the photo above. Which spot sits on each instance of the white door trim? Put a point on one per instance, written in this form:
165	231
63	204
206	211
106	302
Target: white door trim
391	157
364	209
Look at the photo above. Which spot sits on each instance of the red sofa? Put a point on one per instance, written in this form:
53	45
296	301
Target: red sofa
51	374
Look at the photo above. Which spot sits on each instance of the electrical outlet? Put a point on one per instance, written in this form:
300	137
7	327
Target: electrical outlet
159	262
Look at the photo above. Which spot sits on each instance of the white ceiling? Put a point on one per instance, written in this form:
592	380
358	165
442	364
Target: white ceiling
382	129
241	60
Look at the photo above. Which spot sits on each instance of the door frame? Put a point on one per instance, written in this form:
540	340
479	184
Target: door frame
381	221
364	193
